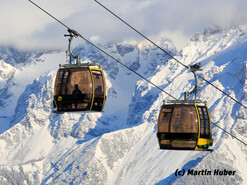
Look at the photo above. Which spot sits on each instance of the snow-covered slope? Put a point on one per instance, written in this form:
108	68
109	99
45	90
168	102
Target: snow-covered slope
119	145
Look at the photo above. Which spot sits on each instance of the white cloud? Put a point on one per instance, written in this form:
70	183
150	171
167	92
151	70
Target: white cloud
24	25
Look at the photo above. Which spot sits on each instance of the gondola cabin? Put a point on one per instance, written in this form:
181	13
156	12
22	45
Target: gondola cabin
184	125
79	88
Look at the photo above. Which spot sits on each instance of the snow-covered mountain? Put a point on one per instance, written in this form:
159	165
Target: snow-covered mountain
16	56
119	145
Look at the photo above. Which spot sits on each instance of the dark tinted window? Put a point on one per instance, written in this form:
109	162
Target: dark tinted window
204	122
69	78
98	83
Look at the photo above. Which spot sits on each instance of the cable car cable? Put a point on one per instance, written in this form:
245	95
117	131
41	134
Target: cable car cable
76	33
223	92
229	133
140	34
121	62
176	61
187	67
49	14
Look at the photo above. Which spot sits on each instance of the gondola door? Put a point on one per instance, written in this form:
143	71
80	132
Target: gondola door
205	136
99	90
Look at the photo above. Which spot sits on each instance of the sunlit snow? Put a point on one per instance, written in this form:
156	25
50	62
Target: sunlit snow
119	145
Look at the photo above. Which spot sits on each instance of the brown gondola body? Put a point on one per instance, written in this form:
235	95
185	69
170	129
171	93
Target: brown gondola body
89	95
184	125
79	86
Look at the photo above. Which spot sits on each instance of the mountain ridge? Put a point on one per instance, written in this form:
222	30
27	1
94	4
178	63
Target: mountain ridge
119	146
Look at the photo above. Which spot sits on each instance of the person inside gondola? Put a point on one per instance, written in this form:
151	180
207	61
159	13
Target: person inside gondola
98	91
76	94
98	100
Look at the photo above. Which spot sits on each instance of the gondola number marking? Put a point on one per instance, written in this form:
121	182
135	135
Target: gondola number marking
59	98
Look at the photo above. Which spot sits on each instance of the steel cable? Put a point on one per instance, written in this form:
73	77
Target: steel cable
102	50
127	66
174	59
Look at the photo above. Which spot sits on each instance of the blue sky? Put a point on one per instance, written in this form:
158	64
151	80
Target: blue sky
25	26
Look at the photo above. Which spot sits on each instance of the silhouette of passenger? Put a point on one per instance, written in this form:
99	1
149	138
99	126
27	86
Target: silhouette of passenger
98	90
77	91
76	94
